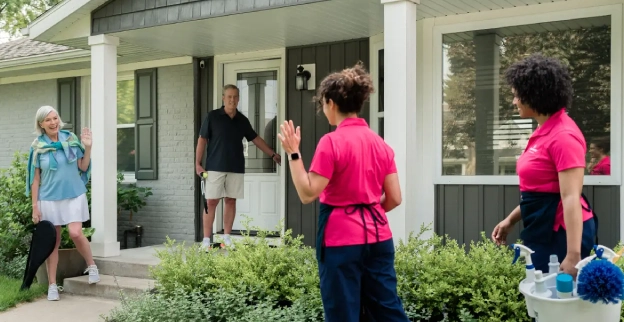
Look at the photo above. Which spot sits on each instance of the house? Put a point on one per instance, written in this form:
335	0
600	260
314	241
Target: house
144	73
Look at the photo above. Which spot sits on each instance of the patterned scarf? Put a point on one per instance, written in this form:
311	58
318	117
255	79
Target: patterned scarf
40	146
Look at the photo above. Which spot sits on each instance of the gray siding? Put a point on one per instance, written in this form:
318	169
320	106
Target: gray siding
18	105
169	212
328	58
120	15
464	211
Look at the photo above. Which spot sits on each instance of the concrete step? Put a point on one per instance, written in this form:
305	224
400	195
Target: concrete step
122	268
109	286
134	262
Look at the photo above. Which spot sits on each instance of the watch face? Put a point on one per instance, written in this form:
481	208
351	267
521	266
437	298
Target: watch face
294	156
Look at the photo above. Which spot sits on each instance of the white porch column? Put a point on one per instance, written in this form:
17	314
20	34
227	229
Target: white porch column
400	106
104	152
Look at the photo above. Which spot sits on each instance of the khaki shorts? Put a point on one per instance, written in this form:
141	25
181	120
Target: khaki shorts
224	185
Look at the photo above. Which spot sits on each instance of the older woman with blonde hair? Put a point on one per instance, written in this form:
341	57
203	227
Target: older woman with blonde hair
58	171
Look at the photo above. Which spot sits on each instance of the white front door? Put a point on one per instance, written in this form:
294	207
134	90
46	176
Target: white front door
258	82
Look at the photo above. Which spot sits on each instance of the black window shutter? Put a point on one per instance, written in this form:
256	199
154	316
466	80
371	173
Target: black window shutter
68	104
146	126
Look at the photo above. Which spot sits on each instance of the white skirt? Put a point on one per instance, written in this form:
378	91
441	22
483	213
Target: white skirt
63	212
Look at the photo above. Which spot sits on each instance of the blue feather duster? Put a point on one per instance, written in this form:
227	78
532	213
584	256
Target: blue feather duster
601	281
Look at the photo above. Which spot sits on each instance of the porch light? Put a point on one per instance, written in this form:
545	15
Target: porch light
302	79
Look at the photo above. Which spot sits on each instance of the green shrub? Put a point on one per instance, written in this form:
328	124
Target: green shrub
218	306
15	209
438	278
13	268
285	273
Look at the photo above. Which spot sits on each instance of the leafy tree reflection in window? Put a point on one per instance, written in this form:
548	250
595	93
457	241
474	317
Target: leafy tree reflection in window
125	126
482	130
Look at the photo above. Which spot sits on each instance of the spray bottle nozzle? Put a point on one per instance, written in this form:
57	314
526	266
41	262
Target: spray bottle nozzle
601	252
521	250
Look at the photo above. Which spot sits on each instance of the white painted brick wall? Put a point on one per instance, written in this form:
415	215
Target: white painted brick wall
170	211
18	105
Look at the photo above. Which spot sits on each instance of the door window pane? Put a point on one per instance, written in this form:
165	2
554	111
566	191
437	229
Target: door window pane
482	130
259	102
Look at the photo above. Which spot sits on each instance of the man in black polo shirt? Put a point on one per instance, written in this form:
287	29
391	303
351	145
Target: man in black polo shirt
223	131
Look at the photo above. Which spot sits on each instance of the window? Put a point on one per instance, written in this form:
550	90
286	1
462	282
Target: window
125	127
481	129
376	116
380	97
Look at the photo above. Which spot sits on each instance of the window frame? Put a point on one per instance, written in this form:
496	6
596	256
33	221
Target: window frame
129	176
615	11
376	44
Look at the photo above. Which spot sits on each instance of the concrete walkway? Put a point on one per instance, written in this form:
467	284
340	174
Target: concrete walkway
70	308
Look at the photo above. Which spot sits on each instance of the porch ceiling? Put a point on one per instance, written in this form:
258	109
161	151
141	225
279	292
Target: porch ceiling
284	27
321	22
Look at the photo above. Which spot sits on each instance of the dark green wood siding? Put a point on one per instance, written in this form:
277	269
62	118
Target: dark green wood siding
121	15
328	58
203	97
464	211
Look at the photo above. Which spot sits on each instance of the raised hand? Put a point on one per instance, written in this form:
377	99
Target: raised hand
85	137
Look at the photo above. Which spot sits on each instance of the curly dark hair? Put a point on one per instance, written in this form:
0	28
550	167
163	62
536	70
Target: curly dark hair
542	83
349	89
603	143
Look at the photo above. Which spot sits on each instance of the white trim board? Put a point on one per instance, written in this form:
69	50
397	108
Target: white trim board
538	16
218	62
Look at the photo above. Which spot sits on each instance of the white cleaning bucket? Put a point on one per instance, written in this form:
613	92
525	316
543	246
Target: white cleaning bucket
573	309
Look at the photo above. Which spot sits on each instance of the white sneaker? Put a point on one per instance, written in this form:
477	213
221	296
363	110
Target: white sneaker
205	246
227	241
94	274
53	293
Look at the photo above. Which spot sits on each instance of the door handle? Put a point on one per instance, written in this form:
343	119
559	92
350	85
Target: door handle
246	149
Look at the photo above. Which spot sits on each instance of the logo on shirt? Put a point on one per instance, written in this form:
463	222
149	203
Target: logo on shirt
533	149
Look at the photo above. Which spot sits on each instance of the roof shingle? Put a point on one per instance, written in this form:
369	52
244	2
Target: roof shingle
25	47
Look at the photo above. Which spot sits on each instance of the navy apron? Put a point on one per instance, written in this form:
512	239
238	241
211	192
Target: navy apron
391	312
325	211
538	211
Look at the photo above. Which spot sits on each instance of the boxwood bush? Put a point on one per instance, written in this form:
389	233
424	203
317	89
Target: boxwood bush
438	280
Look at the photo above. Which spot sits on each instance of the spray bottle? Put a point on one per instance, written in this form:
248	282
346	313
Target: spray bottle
521	250
601	252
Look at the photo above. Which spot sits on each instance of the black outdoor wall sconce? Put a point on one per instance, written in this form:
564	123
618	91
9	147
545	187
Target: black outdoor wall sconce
303	76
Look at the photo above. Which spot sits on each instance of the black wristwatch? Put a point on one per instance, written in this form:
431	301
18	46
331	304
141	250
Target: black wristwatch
293	156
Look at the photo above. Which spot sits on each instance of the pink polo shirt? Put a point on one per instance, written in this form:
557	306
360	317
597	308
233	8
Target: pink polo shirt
555	146
356	161
603	167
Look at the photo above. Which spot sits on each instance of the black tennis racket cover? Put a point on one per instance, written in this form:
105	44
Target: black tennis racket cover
41	246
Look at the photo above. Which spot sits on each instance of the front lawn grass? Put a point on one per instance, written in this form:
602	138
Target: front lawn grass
10	294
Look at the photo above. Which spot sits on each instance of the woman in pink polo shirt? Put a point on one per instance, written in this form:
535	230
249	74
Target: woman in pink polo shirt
351	169
556	215
600	164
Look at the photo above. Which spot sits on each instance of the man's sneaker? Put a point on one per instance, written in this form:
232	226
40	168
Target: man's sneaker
94	274
53	293
227	242
205	246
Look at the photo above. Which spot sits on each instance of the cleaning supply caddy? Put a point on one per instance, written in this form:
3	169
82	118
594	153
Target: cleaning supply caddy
554	296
